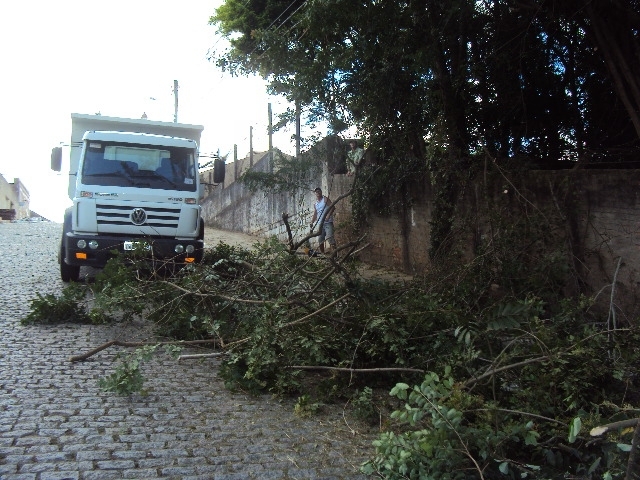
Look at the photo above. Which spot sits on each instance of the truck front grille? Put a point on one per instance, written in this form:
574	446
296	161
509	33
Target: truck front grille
108	215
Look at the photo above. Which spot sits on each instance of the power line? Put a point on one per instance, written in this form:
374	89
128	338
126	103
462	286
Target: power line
283	12
281	23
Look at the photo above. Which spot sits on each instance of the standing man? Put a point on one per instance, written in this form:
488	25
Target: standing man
321	205
354	157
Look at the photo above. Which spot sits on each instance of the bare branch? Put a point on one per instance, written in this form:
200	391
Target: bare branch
201	355
493	371
120	343
357	370
296	322
601	430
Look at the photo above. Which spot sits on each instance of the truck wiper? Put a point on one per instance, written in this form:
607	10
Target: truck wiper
166	180
156	176
109	174
172	183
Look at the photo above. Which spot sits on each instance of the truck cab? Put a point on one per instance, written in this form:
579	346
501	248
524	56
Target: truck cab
133	188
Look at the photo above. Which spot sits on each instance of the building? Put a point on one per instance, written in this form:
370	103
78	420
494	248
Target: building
14	200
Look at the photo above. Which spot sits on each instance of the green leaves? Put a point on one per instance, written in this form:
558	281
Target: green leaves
127	378
400	391
68	307
574	429
508	315
514	376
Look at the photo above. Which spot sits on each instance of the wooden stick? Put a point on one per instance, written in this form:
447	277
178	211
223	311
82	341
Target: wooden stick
120	343
201	355
601	430
356	370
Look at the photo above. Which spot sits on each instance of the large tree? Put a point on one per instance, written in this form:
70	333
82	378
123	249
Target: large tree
439	86
545	79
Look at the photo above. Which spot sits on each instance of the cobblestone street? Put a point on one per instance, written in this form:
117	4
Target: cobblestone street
55	423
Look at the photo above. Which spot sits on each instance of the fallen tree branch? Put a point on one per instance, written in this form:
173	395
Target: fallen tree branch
295	322
223	297
357	370
518	412
601	430
493	371
201	355
119	343
300	320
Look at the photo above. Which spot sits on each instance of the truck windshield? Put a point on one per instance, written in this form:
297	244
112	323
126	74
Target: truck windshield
147	166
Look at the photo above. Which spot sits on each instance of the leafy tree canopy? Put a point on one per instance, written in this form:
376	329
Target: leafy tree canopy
529	78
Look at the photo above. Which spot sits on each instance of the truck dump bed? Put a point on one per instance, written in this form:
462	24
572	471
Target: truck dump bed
81	123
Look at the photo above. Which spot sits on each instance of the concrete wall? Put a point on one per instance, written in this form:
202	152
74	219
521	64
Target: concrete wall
232	206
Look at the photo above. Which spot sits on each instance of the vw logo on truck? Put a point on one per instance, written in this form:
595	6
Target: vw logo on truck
138	216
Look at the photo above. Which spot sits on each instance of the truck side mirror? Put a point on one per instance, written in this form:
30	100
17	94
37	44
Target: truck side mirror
219	170
56	159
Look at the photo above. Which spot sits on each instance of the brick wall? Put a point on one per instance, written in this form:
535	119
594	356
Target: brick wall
601	209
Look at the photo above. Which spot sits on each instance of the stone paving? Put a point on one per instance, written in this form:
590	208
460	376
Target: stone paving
56	424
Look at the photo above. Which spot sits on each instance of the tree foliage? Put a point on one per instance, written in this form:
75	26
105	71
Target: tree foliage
542	79
444	86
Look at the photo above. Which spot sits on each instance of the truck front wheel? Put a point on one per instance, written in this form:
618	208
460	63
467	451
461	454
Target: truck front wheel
68	273
200	252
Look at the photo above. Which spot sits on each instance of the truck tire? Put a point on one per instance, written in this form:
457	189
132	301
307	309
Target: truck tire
68	273
200	252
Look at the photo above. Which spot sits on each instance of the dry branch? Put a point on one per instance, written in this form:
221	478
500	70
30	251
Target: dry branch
493	371
601	430
357	370
223	297
120	343
201	355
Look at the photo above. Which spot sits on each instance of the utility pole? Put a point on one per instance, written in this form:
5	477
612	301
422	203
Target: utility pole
175	96
270	141
251	147
235	162
297	130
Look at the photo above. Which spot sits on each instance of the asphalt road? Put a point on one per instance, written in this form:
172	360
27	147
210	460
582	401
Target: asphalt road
55	423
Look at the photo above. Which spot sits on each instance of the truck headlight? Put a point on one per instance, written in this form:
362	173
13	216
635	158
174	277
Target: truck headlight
93	244
82	244
179	249
190	248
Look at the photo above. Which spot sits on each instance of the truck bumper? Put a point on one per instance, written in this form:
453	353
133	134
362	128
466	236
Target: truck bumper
105	247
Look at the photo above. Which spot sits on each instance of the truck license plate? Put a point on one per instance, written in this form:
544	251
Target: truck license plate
129	246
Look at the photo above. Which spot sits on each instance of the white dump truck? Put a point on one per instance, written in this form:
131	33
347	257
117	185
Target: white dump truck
135	186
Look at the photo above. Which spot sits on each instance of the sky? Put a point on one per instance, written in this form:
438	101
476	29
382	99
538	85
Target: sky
119	58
